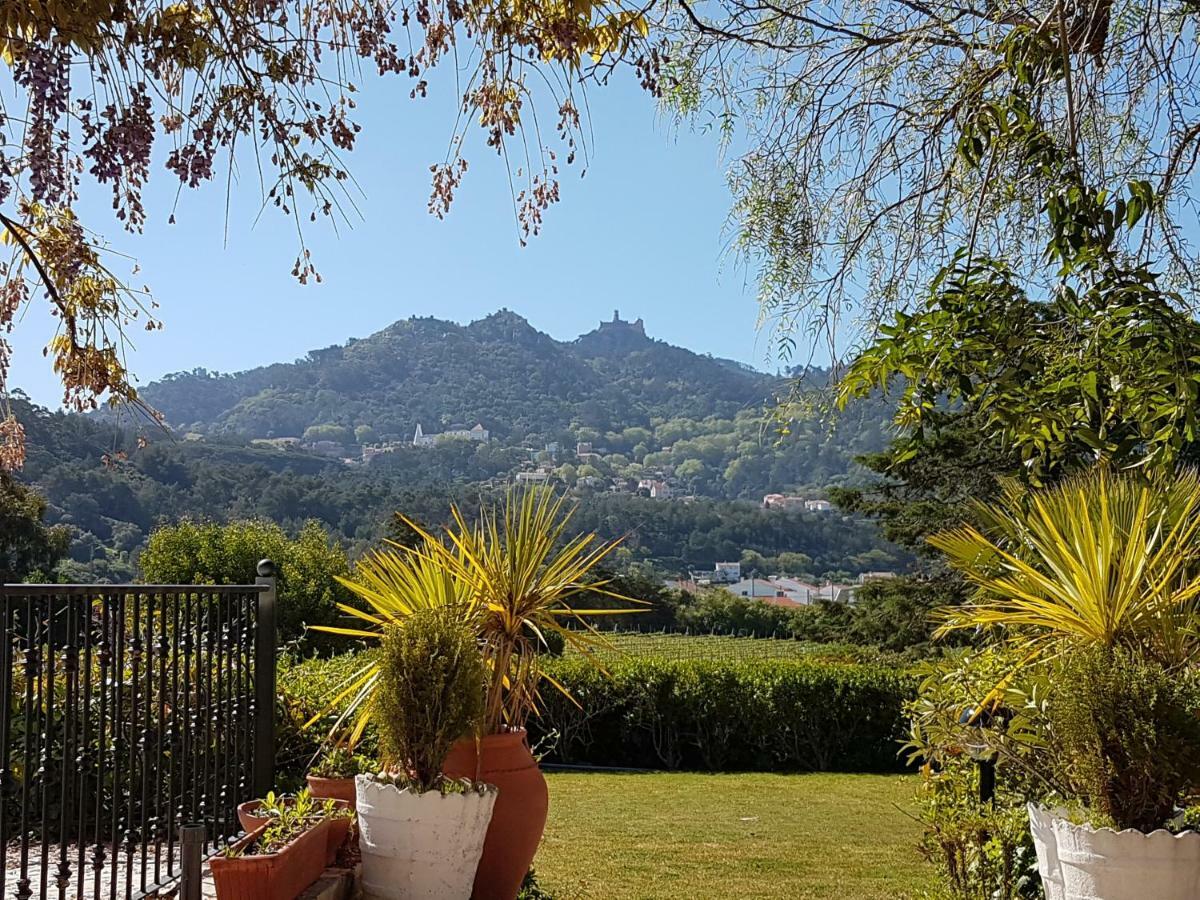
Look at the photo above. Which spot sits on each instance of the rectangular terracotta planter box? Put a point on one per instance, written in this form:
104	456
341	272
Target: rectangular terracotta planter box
339	828
284	875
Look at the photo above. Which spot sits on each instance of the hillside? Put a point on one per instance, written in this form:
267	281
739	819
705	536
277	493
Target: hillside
499	371
111	494
604	416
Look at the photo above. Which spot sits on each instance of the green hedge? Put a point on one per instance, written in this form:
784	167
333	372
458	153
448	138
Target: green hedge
785	716
305	689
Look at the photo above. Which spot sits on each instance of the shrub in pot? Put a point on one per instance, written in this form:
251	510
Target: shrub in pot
1094	583
422	832
332	776
512	577
278	861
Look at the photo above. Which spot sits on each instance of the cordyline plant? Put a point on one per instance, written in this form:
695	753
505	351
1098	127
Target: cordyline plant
100	85
1106	560
1091	587
512	576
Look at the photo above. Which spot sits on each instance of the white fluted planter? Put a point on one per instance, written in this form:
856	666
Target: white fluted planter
1079	862
420	846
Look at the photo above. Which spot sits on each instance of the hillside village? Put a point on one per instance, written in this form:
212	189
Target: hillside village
589	467
510	402
774	590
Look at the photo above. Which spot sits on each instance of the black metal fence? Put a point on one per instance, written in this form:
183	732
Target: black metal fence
130	711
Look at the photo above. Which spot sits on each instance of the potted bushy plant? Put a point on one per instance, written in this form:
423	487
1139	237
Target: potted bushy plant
332	775
422	832
277	861
1094	584
513	577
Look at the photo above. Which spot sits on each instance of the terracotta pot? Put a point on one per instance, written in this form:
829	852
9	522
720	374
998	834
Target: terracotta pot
520	814
337	788
284	875
339	828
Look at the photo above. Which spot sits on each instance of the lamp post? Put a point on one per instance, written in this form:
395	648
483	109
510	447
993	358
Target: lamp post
977	720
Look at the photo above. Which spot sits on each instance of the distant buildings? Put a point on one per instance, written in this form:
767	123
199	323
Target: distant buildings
586	452
328	448
782	501
776	590
868	577
782	591
656	488
460	432
792	501
722	573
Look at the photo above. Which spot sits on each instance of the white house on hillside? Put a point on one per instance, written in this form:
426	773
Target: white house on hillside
461	432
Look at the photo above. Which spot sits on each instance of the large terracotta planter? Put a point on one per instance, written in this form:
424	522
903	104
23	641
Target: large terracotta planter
339	828
332	788
420	846
1079	862
272	876
520	814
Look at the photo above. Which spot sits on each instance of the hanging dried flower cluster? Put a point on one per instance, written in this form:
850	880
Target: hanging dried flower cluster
99	82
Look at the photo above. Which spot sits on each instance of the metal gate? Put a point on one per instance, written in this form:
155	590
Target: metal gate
130	711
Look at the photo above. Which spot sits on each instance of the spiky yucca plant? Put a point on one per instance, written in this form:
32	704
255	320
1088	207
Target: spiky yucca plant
1104	559
512	575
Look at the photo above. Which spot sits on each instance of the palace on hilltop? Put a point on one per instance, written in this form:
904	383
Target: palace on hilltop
619	324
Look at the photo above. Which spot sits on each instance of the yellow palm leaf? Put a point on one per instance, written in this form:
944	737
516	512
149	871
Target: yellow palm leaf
1102	559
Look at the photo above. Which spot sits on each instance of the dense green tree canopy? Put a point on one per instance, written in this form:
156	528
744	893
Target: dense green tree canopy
211	553
28	547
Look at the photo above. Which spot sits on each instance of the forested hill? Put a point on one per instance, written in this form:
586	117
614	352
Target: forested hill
499	371
616	418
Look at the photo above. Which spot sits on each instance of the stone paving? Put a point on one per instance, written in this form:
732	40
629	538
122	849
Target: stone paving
115	882
335	884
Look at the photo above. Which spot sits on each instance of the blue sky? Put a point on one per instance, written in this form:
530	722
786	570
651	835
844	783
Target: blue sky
643	231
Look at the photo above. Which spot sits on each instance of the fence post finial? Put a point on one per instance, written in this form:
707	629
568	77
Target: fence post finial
266	569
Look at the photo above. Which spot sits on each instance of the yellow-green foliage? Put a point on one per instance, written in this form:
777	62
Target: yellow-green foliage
512	577
1103	559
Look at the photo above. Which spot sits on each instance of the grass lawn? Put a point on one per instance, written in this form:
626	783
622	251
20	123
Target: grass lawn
681	836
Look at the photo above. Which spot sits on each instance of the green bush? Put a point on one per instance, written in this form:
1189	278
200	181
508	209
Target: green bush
430	693
1126	736
787	715
767	716
305	689
980	850
212	553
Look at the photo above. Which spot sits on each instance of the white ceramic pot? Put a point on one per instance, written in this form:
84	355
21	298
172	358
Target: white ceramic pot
1079	862
420	845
